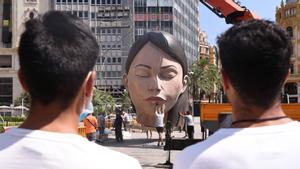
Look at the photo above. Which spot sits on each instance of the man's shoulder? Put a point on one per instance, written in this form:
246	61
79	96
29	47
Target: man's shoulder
107	155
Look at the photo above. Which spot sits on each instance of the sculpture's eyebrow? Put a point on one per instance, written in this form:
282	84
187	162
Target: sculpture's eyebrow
168	66
142	65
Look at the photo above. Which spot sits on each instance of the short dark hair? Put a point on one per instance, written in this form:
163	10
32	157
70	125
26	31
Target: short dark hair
256	56
56	52
167	43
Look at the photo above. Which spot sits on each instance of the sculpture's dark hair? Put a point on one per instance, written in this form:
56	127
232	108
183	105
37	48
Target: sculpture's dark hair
167	43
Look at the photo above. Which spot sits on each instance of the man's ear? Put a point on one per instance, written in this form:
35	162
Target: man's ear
225	80
185	83
90	80
125	81
22	80
286	77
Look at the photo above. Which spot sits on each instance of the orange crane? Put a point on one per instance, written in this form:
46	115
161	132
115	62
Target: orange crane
231	10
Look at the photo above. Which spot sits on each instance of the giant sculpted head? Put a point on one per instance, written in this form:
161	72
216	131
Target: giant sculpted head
156	75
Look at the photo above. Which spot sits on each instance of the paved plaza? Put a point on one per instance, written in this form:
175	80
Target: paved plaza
146	150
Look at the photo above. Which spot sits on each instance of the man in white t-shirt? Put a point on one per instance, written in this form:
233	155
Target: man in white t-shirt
57	54
255	57
159	123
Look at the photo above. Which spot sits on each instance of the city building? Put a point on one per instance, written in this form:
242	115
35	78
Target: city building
177	17
13	15
204	48
288	15
111	23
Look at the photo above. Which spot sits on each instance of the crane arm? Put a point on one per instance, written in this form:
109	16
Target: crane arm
231	10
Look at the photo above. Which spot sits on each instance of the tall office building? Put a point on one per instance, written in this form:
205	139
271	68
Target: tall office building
111	23
13	15
177	17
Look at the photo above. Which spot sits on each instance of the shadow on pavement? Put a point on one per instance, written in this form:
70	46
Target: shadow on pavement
134	143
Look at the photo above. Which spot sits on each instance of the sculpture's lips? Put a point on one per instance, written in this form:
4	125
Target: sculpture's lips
155	100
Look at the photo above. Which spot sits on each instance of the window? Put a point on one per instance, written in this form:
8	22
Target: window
69	1
119	60
98	1
5	61
86	14
6	86
289	31
93	2
58	1
119	1
103	59
119	31
103	31
103	47
80	14
103	2
108	47
113	1
152	10
113	31
108	60
108	1
93	14
108	31
119	46
114	60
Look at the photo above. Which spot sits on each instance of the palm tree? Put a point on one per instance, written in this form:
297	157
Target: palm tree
103	102
204	78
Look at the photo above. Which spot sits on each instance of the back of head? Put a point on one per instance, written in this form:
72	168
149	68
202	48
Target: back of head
56	52
256	57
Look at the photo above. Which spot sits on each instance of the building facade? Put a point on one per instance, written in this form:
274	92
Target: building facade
111	23
204	48
288	16
177	17
13	15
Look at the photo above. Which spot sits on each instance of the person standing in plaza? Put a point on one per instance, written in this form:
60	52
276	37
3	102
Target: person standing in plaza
159	124
57	55
189	123
256	60
91	125
118	126
101	123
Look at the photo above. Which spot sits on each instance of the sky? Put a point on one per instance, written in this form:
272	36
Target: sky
213	25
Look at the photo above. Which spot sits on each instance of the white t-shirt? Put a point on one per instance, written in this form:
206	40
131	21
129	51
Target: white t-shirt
30	149
159	119
269	147
189	120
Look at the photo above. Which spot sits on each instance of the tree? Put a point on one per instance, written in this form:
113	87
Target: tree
26	100
125	100
204	77
103	102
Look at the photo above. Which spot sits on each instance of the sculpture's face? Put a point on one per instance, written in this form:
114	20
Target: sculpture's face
154	78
